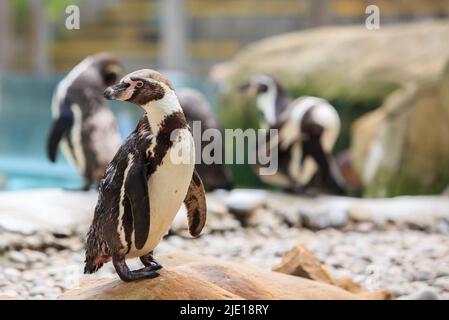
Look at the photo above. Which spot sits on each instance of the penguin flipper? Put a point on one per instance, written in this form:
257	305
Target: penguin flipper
60	126
195	203
136	190
324	162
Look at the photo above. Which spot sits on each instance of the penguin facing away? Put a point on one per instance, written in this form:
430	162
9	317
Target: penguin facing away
83	125
145	184
308	128
196	108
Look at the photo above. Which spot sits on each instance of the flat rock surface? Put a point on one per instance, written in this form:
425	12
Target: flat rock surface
188	276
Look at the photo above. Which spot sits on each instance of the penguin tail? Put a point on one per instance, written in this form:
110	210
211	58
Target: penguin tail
96	253
91	267
94	262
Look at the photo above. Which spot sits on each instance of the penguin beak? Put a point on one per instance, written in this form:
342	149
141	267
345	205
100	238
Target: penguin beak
117	92
244	87
248	88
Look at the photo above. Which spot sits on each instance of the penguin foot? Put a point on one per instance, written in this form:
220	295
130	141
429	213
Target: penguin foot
153	267
151	263
127	275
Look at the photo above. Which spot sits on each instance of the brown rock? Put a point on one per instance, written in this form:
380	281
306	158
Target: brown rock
401	147
187	276
349	285
383	294
170	285
299	261
306	56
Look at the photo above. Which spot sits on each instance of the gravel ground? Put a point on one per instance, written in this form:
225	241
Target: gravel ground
408	262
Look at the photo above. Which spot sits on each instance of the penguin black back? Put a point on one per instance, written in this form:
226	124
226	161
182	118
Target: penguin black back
82	121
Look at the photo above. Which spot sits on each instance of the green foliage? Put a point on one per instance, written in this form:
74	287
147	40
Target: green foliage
20	10
54	10
239	112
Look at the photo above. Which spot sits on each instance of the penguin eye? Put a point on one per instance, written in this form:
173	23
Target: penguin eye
139	84
262	88
110	78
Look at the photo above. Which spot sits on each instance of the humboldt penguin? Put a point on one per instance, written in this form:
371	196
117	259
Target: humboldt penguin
83	126
147	181
196	108
308	128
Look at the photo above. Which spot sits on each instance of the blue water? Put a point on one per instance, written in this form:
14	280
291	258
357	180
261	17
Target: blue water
25	118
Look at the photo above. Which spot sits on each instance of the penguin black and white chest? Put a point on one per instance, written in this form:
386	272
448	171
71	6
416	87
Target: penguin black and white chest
83	126
308	128
200	117
147	181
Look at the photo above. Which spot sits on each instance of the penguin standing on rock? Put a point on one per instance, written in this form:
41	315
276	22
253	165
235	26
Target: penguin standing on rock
147	181
307	130
196	108
83	125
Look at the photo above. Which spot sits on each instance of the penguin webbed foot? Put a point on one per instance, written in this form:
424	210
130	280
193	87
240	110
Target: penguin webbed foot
127	275
150	263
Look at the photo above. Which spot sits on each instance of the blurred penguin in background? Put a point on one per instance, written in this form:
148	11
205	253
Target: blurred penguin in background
196	108
83	125
308	128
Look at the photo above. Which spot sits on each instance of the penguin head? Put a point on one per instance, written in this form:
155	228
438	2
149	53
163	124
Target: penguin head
267	90
258	85
140	87
109	68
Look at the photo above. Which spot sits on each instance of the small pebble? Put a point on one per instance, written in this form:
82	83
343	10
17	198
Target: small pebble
18	257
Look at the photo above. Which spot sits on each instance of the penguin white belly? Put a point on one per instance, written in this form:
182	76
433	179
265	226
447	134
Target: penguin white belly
104	137
103	140
168	187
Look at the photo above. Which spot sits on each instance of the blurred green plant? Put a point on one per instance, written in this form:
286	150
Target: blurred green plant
237	111
54	10
20	9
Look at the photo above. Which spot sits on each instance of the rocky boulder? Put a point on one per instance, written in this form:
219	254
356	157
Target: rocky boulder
187	276
346	60
53	210
402	147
